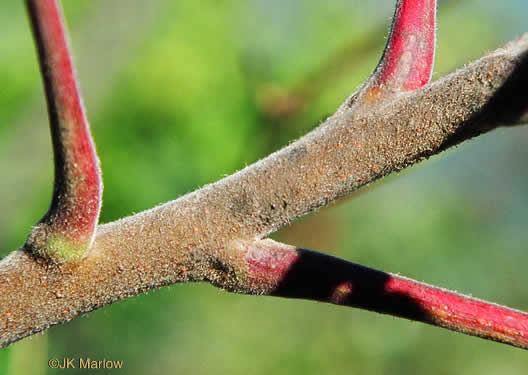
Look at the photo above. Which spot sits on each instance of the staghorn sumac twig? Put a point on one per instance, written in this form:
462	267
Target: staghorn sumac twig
275	269
214	234
67	230
194	237
408	59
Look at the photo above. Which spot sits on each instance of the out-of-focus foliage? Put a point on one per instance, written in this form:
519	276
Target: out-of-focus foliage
190	103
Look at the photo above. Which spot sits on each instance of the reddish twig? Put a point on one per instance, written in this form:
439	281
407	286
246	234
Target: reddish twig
213	234
408	59
67	230
280	270
407	62
282	103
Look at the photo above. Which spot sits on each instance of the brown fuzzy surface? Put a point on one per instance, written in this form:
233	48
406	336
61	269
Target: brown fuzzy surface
194	237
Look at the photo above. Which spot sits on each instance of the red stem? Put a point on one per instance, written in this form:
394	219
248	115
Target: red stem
408	59
280	270
76	201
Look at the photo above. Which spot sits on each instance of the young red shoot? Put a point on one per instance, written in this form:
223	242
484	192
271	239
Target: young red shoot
272	268
408	59
67	230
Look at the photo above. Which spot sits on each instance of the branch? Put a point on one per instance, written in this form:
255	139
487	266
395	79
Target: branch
408	59
284	103
280	270
197	237
67	230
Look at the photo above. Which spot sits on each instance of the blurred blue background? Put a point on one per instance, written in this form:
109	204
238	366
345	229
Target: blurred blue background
181	93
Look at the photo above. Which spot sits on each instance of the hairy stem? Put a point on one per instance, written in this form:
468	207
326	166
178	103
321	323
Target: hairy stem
276	269
408	60
194	237
67	230
214	233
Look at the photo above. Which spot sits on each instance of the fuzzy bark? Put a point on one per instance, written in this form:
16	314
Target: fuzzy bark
197	237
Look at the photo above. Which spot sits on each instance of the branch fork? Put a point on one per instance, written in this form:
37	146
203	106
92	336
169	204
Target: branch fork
215	234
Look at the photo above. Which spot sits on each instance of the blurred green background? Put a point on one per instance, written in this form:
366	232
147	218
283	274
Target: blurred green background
181	93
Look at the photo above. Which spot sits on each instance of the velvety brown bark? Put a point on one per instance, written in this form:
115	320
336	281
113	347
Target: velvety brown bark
196	237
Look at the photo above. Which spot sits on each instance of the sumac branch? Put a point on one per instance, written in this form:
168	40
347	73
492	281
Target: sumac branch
216	234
